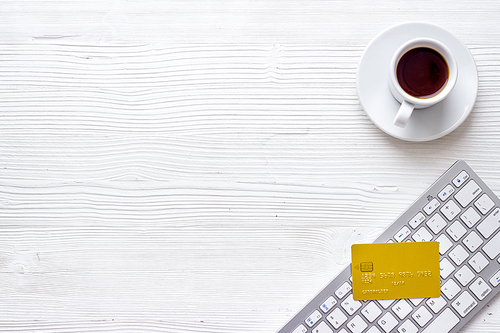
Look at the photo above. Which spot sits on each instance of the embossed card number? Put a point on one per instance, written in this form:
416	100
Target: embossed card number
395	270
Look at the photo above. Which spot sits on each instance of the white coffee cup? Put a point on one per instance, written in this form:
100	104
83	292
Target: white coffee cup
416	49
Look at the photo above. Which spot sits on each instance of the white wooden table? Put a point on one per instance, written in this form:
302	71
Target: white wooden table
204	166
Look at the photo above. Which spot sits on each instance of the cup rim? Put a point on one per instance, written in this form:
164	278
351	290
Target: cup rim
447	55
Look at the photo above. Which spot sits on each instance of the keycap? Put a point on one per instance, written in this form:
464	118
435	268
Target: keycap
490	224
464	304
480	288
387	322
461	179
357	324
443	323
456	230
344	289
446	192
328	304
373	329
464	275
436	223
450	210
450	289
313	318
444	244
402	234
336	318
417	220
402	309
422	316
300	329
446	268
470	191
422	235
470	217
431	206
436	304
350	305
492	248
495	279
458	255
385	303
472	241
484	204
371	311
478	262
408	327
322	328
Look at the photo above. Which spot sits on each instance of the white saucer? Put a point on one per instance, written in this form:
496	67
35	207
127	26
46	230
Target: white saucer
381	107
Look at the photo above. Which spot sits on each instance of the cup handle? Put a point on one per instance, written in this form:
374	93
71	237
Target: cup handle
403	114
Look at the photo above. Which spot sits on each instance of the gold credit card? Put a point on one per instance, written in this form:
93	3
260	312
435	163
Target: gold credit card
395	270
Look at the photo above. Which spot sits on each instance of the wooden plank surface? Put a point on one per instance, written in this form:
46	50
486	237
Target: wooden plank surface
205	166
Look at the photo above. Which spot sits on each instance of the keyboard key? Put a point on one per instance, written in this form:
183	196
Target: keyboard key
422	316
387	322
473	241
417	220
456	231
336	318
444	323
464	275
422	235
322	328
478	262
416	301
495	279
436	223
373	329
446	268
402	234
458	255
371	311
357	325
480	288
484	204
402	309
350	305
450	210
313	318
328	304
468	193
461	179
300	329
450	289
444	244
470	217
464	304
343	290
408	327
490	224
492	248
431	206
446	192
436	304
385	303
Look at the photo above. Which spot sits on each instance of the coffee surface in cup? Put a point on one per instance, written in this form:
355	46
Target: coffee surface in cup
422	72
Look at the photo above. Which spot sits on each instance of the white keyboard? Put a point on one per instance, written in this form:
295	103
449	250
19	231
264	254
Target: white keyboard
463	215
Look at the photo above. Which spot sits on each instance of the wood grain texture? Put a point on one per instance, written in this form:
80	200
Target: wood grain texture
205	166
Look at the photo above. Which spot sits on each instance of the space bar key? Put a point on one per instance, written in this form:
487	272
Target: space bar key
443	323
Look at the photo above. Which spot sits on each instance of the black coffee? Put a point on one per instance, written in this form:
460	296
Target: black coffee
422	72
